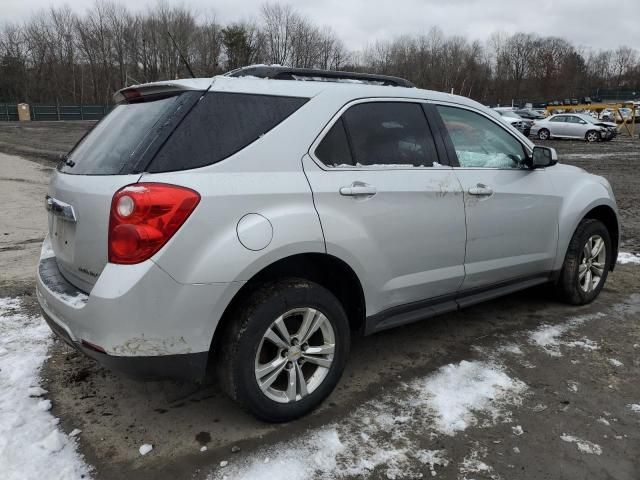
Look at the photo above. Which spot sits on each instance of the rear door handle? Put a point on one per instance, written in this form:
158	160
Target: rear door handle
481	189
357	190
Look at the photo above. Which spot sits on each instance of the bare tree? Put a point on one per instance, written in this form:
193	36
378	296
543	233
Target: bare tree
58	55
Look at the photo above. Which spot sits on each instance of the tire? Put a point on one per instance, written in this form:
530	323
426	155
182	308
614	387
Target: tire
592	136
544	134
246	353
577	288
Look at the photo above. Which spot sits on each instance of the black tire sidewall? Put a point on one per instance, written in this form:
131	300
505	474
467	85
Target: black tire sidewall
569	278
283	297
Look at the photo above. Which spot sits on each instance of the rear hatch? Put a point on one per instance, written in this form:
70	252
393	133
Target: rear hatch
109	157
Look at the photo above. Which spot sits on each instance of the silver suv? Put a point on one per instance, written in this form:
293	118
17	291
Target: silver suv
253	222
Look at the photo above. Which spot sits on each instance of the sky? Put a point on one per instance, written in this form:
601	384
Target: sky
586	23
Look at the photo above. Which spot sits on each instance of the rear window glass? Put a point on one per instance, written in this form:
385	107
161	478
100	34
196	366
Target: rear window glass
220	125
110	148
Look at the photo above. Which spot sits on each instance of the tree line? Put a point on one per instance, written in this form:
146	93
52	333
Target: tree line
61	56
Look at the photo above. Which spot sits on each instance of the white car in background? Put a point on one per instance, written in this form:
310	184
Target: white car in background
512	118
574	125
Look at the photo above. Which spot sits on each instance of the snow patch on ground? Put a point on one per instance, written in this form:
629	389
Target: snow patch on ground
635	407
473	464
572	386
626	257
432	458
31	444
378	436
511	348
308	457
383	434
583	445
615	362
548	336
585	344
455	392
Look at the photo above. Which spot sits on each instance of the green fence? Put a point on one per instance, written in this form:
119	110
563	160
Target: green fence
56	112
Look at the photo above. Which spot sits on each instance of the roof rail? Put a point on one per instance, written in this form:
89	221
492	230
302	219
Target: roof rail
287	73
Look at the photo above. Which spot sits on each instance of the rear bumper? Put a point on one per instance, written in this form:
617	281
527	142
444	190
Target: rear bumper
189	366
148	325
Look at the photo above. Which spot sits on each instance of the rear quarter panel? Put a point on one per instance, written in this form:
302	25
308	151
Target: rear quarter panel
265	178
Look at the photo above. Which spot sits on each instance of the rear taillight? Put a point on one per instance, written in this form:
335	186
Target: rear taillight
144	217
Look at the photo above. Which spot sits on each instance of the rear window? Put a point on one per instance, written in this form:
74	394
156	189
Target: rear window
117	142
220	125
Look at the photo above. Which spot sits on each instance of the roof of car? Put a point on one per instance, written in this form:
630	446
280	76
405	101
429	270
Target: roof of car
296	88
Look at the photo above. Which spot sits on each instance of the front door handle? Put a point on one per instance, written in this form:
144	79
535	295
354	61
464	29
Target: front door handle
481	189
357	190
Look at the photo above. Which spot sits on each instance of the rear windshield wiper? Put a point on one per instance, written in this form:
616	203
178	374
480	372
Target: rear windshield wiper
64	159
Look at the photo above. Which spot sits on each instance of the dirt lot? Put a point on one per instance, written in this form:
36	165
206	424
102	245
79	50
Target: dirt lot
573	373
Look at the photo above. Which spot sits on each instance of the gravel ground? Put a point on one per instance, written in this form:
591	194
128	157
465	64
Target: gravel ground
570	374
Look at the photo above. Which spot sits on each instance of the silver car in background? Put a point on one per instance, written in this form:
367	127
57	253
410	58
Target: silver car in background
574	125
250	224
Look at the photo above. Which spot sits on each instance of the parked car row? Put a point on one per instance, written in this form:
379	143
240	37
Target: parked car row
563	125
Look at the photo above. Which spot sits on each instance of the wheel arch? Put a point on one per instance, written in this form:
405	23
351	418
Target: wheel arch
607	215
325	269
603	210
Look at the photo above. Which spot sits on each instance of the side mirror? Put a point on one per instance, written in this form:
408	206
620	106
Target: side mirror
543	157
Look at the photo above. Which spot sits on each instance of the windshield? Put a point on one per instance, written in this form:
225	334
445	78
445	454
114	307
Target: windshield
587	118
509	113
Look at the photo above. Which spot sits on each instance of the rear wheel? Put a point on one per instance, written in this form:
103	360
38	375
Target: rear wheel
586	264
543	134
592	136
285	351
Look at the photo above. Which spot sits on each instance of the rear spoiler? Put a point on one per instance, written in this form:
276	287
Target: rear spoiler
160	88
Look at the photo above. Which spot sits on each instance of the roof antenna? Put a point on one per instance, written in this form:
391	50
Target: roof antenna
180	53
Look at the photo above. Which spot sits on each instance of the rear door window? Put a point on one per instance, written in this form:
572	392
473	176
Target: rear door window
390	134
220	125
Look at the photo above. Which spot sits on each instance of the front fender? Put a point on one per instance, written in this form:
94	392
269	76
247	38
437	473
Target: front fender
580	198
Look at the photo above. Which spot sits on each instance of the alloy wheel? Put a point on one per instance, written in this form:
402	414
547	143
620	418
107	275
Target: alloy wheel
592	263
295	355
592	136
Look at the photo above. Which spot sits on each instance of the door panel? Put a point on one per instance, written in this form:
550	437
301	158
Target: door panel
512	232
559	127
406	241
511	211
573	128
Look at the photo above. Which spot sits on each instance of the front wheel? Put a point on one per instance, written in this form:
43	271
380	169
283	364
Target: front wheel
285	351
586	264
592	136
